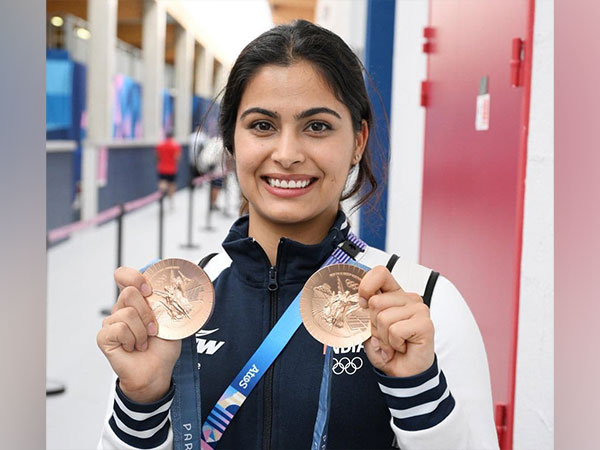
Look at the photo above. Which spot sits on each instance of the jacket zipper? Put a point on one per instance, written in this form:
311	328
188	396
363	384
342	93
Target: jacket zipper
268	391
273	287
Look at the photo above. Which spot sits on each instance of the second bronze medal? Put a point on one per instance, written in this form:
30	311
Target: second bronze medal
329	306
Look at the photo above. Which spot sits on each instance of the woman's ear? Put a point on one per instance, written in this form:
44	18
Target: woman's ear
361	142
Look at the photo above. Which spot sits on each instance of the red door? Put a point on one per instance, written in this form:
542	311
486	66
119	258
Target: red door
473	180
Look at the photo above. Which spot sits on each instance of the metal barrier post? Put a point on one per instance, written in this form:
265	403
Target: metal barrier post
208	226
161	216
225	193
108	311
120	240
190	218
53	387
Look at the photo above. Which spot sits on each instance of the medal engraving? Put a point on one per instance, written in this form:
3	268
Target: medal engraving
329	306
182	297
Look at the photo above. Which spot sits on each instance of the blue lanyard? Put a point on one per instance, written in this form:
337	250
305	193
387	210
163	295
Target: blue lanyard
188	434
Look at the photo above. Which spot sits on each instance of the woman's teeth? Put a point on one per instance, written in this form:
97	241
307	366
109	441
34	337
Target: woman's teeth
288	184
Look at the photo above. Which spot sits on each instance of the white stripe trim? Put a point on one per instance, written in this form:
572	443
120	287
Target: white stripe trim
139	434
217	264
411	392
419	410
139	416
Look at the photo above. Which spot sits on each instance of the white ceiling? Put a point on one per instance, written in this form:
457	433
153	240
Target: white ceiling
222	26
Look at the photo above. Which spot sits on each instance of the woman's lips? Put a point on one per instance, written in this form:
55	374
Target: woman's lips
288	192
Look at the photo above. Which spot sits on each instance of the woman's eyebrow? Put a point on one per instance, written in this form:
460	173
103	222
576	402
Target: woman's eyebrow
266	112
313	111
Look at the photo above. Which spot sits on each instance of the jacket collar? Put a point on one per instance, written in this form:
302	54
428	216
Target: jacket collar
296	262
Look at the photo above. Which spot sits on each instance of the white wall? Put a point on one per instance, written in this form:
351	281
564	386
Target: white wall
346	18
534	399
407	130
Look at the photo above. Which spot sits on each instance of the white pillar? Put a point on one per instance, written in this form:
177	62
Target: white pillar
184	73
102	16
220	80
153	55
204	73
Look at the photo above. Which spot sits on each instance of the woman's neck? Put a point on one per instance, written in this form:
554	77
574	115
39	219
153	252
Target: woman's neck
268	233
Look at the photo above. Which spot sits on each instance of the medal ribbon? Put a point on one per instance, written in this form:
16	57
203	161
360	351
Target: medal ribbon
185	409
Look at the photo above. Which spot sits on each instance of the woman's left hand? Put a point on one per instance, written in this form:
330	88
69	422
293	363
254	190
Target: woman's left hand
401	343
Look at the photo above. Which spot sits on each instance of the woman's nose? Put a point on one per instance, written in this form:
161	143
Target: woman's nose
288	150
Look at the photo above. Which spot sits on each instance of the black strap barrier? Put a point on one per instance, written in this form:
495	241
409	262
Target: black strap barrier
119	211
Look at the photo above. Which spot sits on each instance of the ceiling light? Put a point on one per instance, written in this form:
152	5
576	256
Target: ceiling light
57	21
82	33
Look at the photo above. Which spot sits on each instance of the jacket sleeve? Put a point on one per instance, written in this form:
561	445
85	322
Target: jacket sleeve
449	406
131	426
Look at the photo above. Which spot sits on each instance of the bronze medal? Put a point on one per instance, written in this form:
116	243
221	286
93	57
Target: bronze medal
329	306
182	297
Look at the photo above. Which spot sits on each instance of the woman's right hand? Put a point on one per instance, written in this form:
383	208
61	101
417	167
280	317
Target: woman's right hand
143	362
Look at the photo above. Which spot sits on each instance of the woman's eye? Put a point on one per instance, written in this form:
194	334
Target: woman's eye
318	127
262	126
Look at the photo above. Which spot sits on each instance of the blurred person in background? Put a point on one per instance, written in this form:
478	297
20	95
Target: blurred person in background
296	119
206	156
168	153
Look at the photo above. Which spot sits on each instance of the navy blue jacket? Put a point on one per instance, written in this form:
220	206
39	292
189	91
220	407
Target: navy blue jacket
368	409
280	412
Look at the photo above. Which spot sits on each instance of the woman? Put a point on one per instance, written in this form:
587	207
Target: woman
296	117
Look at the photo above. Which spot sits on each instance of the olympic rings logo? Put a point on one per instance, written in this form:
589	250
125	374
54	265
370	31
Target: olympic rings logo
347	365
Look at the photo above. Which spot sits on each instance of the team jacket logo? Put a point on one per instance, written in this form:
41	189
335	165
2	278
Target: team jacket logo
348	365
207	346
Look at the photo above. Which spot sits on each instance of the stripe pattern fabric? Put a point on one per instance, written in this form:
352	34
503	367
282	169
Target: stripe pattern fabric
143	426
418	402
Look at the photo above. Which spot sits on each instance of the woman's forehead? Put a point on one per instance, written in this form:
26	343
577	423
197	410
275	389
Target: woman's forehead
290	88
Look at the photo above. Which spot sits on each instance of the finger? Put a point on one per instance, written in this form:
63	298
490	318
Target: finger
381	302
127	276
376	279
116	335
418	330
384	319
131	296
385	351
132	319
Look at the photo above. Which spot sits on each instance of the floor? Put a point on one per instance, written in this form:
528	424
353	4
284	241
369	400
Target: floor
80	285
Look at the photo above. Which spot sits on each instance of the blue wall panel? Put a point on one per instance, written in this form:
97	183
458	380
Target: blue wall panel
59	173
379	52
132	175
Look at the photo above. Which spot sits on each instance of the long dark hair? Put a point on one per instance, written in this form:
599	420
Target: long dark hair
328	53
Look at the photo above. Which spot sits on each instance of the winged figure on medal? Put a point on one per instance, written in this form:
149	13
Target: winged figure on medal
336	307
174	301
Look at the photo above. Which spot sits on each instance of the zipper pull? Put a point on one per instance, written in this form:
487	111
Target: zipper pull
273	286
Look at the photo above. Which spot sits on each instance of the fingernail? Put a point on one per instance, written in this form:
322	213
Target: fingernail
363	302
375	342
151	327
146	291
144	346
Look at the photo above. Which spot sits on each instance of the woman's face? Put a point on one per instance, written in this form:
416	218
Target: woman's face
294	145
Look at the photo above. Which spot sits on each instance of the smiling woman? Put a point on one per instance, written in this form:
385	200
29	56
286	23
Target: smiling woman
295	117
294	148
